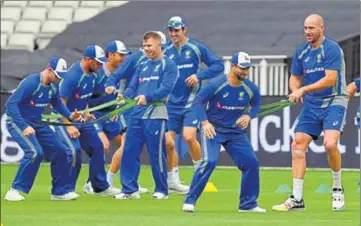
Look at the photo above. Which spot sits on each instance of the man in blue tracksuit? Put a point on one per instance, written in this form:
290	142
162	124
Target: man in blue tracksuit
24	108
224	123
352	88
153	81
320	61
75	91
119	79
108	129
188	54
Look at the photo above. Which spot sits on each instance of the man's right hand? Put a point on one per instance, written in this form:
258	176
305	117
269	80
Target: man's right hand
28	131
208	129
109	90
73	132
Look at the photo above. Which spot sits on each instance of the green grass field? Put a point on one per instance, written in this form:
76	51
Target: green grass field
213	209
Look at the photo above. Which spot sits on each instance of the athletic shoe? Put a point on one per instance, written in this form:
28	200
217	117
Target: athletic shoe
291	204
257	209
338	199
66	197
177	187
158	195
123	196
88	188
111	191
188	208
14	195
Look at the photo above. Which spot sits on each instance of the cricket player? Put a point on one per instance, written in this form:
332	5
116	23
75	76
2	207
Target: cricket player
153	81
75	91
352	88
108	129
225	123
124	72
188	54
24	108
320	60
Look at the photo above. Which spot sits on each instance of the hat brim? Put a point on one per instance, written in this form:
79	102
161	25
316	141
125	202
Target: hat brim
101	60
173	26
245	65
60	75
124	52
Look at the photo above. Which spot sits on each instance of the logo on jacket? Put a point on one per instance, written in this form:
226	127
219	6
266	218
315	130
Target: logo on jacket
319	58
32	103
145	68
307	59
171	56
157	67
225	95
50	93
188	54
85	85
241	95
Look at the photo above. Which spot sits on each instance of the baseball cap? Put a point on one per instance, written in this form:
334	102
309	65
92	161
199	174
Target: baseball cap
163	37
95	52
241	59
58	66
116	46
176	22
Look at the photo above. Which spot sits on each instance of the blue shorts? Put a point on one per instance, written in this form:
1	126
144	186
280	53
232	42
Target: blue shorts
313	121
177	119
110	128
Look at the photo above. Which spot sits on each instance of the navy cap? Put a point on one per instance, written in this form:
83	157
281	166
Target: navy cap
176	22
241	59
58	66
95	52
116	46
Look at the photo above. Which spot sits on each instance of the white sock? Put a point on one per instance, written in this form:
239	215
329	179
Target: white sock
297	188
196	164
170	177
175	174
110	178
336	179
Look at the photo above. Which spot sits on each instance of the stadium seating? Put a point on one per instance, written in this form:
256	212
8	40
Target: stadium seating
31	24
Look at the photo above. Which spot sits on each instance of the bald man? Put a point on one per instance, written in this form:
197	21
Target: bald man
320	60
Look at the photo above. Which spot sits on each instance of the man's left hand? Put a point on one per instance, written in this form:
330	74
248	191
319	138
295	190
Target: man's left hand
243	121
192	80
141	100
296	96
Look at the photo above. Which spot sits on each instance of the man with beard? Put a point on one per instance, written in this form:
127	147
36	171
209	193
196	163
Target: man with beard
225	123
75	90
320	60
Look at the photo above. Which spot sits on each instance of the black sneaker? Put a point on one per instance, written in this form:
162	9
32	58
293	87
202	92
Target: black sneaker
291	204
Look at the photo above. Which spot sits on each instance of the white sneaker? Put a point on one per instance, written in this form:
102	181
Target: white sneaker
338	199
65	197
75	194
88	188
158	195
177	187
257	209
143	190
123	196
188	207
14	195
111	191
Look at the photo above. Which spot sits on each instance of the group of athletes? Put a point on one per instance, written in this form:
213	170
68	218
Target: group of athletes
168	83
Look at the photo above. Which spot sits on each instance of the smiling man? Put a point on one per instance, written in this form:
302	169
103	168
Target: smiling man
153	81
320	60
189	55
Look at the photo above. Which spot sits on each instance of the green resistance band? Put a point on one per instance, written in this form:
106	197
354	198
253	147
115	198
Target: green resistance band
274	107
129	103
